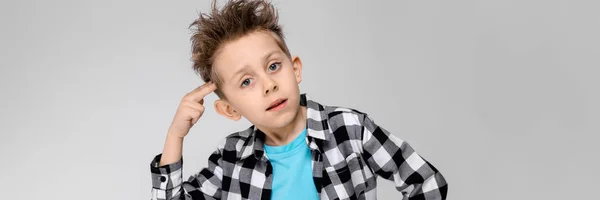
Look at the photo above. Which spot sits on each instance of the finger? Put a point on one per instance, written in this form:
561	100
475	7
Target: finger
196	94
194	115
195	90
202	91
194	105
194	120
208	87
207	84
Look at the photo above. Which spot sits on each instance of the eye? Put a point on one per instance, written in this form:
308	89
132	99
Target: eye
274	66
246	82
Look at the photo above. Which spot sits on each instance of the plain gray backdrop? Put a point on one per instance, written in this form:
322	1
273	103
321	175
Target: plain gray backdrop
500	95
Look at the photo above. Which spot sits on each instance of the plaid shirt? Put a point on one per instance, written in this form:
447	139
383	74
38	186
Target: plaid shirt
349	152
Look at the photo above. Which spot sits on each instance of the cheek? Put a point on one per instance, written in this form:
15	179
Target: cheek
251	106
288	73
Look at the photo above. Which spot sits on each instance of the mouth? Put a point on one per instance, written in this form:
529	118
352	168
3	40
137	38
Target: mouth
277	104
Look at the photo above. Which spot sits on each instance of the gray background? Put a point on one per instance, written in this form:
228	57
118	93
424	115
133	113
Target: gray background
502	96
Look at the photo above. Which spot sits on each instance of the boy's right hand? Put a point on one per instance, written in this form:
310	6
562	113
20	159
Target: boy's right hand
190	110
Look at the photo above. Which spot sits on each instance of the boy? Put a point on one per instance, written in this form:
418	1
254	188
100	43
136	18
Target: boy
296	147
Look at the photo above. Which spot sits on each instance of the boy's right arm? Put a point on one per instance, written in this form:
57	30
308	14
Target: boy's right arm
167	167
167	181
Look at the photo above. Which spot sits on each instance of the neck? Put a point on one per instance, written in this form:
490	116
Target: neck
284	135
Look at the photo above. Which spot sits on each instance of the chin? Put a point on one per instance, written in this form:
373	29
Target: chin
285	119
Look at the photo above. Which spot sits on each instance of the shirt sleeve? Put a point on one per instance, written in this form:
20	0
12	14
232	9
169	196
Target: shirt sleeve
394	159
168	184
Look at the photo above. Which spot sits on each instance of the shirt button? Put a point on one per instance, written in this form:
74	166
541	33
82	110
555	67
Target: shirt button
163	179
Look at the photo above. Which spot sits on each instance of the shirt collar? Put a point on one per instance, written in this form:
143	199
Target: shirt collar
316	128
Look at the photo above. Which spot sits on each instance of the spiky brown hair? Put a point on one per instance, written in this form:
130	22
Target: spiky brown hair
236	19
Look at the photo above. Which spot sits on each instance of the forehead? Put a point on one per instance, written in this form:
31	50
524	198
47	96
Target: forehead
248	50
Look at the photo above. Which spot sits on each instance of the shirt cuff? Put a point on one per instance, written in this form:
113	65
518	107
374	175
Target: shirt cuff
168	176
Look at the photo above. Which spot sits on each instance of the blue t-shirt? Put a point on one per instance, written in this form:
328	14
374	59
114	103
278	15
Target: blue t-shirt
292	170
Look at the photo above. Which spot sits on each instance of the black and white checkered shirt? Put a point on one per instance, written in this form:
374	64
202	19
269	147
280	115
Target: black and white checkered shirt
349	151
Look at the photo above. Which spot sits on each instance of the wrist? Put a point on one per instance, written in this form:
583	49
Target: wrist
174	136
176	133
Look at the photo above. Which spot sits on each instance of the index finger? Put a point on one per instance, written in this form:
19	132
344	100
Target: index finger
200	92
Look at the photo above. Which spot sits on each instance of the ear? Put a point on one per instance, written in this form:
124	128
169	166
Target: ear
226	110
297	65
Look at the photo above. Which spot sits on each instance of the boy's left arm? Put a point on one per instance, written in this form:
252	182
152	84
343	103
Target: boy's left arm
395	160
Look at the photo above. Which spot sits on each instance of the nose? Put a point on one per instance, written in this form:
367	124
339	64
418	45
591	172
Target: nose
270	86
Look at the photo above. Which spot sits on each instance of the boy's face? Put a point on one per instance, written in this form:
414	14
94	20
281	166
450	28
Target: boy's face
256	73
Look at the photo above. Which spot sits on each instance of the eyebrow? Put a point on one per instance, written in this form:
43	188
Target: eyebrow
265	57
